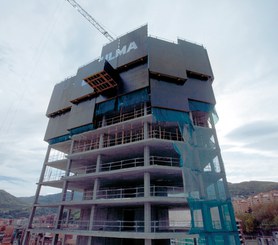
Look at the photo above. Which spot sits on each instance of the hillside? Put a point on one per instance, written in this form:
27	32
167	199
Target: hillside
52	198
8	201
250	188
12	207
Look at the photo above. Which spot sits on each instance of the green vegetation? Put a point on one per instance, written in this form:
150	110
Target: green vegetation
263	218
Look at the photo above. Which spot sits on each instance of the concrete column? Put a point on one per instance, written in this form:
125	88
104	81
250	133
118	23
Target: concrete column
146	130
99	162
32	213
42	174
96	187
147	217
148	242
145	109
101	138
147	184
103	123
146	156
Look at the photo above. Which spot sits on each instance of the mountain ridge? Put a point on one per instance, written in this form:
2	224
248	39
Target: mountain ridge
14	207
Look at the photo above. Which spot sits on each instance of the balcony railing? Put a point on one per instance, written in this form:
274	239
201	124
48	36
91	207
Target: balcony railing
155	226
159	132
127	136
134	192
118	225
54	174
56	155
86	145
126	163
124	116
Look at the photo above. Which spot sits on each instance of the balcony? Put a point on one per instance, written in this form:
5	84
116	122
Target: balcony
156	226
55	174
135	192
124	116
125	136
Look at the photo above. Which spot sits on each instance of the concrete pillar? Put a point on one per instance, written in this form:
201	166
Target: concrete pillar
101	139
148	242
96	187
103	123
33	210
145	109
91	224
99	162
147	184
147	217
146	156
146	130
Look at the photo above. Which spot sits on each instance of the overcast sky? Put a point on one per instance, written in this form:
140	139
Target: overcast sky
44	41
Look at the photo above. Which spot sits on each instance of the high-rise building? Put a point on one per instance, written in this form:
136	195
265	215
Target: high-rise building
134	152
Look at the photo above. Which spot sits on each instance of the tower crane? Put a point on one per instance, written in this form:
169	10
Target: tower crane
90	19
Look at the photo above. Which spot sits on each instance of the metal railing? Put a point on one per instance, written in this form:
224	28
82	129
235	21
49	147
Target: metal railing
128	136
165	161
134	192
83	170
160	132
126	163
117	225
123	137
124	116
86	145
56	155
54	174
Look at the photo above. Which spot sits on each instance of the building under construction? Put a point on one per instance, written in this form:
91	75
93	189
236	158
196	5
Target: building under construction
134	152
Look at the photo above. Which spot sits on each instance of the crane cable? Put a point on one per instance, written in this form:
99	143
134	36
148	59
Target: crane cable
87	16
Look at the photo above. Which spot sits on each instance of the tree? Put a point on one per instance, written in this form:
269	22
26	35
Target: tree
262	217
249	222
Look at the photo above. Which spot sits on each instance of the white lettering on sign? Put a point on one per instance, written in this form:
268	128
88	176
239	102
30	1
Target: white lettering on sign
119	52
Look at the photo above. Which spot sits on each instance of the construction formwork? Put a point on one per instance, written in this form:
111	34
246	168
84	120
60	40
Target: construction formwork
134	152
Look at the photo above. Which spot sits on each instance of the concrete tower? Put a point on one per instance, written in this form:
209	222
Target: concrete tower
134	152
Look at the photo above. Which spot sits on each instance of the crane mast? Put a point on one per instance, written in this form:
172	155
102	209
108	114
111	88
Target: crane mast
90	19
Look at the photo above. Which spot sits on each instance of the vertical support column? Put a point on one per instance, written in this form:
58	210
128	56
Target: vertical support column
91	224
96	182
147	184
63	198
96	187
66	223
147	178
101	139
33	210
145	109
103	123
146	156
146	130
99	162
147	217
148	242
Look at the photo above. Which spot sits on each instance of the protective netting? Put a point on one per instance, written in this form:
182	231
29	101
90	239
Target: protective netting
205	185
